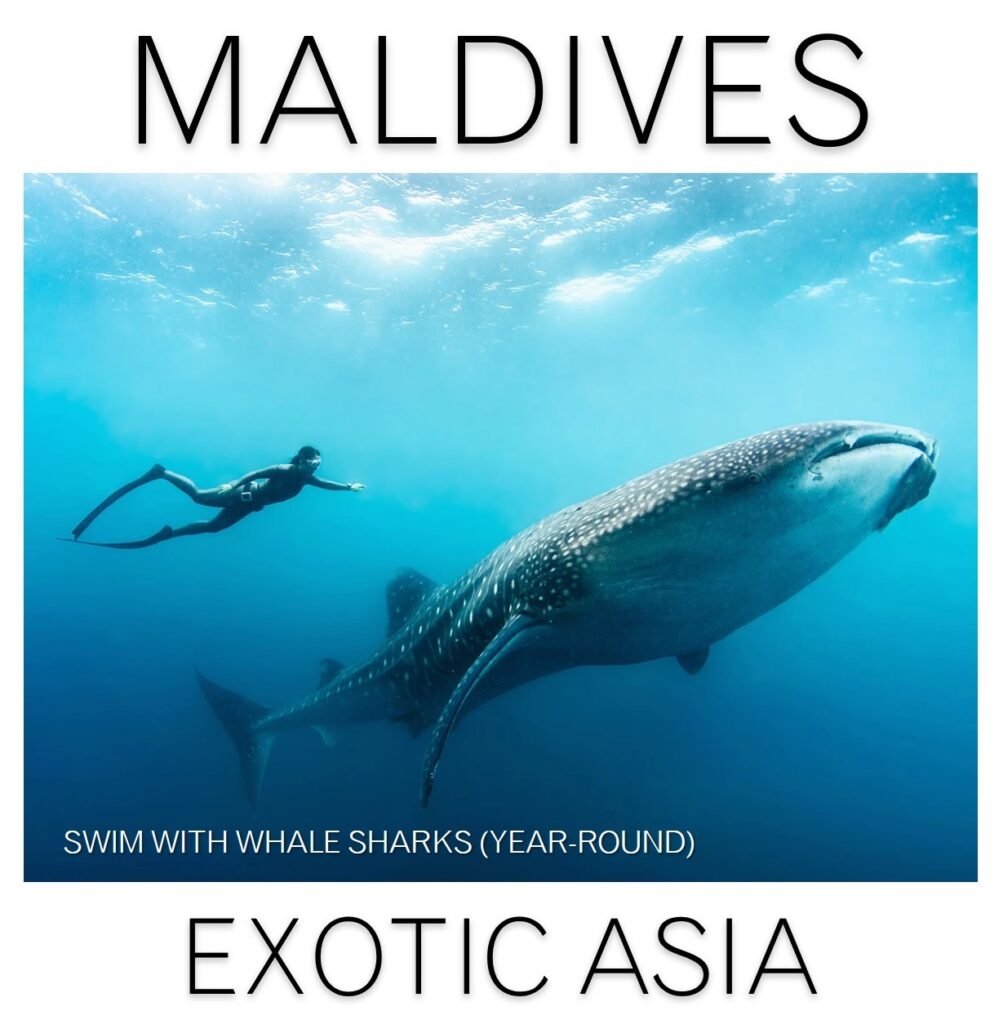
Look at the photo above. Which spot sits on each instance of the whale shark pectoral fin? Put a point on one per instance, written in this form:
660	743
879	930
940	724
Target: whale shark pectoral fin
404	593
693	661
512	634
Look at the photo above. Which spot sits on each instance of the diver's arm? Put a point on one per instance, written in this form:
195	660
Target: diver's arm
332	485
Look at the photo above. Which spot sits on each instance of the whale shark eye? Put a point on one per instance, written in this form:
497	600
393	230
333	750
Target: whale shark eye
738	483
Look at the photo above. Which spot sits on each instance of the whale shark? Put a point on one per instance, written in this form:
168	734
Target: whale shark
662	566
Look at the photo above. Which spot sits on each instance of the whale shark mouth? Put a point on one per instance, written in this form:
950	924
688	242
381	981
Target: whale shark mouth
853	442
912	488
915	482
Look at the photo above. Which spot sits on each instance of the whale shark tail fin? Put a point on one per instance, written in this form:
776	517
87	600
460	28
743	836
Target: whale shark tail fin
241	718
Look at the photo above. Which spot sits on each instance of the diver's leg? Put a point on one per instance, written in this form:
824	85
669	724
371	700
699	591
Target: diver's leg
155	472
210	496
226	518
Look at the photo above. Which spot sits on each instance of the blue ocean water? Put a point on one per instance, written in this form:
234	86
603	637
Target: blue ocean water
482	351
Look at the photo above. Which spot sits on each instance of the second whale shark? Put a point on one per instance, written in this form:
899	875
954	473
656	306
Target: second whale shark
662	566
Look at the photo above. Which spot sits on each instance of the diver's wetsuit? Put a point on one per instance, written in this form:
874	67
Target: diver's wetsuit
236	500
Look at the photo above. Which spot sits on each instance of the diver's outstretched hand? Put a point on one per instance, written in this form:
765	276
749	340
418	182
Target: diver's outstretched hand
356	487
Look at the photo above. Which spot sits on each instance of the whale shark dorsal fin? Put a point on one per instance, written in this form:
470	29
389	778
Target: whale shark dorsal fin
404	593
330	668
693	661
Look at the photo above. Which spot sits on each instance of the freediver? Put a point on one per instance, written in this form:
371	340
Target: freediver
235	500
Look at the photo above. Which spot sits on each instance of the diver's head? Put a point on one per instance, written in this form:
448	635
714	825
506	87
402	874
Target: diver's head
307	459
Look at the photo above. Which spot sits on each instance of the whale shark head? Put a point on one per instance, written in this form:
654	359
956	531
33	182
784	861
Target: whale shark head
868	470
862	474
866	473
715	539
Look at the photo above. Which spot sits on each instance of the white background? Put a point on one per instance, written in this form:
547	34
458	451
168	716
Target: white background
927	74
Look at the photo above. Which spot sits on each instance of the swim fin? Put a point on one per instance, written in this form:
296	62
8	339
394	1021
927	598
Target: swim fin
154	473
163	534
